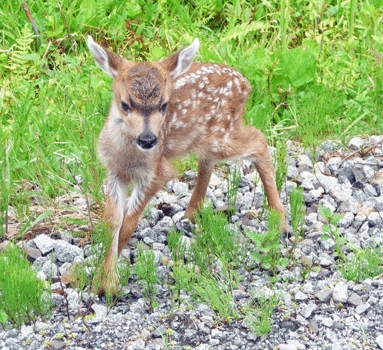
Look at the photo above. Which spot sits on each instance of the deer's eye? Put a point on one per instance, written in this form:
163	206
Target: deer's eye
163	107
125	106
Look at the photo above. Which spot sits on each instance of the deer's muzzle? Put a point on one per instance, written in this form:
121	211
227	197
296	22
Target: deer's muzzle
146	141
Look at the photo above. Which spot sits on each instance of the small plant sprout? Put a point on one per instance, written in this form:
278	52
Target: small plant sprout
24	297
331	230
145	269
233	181
298	211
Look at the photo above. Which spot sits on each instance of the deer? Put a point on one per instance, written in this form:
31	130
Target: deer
164	110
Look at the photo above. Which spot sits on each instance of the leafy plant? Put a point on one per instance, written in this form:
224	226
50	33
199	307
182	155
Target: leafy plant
233	181
267	245
218	294
298	211
259	312
24	297
145	269
332	231
364	263
215	238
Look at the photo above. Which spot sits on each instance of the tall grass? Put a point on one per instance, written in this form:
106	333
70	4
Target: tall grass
306	60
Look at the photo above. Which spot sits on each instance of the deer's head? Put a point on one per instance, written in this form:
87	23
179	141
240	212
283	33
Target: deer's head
142	90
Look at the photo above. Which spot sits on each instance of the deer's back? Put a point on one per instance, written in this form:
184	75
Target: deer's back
205	110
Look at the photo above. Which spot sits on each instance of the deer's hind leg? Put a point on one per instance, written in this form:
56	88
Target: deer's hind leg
250	143
205	169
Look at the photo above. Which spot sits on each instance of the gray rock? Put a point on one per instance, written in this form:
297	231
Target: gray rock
313	326
100	310
324	295
73	299
57	344
375	219
362	308
299	296
327	182
44	243
26	331
350	205
356	143
304	161
363	173
340	193
307	310
355	299
58	300
370	191
50	269
332	165
340	294
164	225
66	252
32	253
180	188
379	340
137	345
347	220
347	170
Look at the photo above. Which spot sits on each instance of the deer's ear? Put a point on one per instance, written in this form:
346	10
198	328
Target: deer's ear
108	61
180	62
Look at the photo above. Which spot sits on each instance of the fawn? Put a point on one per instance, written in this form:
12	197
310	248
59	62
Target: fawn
163	110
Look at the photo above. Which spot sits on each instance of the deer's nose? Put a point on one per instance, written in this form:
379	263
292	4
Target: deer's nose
147	140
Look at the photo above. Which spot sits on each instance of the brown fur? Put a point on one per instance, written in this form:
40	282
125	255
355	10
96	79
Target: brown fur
181	108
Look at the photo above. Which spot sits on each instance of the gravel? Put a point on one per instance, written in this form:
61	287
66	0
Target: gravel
325	311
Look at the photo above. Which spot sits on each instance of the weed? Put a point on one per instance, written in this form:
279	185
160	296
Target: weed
218	294
332	231
298	211
258	314
215	238
364	263
267	245
23	295
233	180
145	269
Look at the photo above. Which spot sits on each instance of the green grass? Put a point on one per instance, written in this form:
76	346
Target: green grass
24	298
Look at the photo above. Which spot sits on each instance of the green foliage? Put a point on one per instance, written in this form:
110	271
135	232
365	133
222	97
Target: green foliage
267	245
218	294
233	181
364	263
21	58
214	238
332	230
23	295
259	313
298	211
145	269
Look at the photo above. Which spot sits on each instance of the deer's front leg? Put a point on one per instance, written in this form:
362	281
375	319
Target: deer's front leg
107	279
140	198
